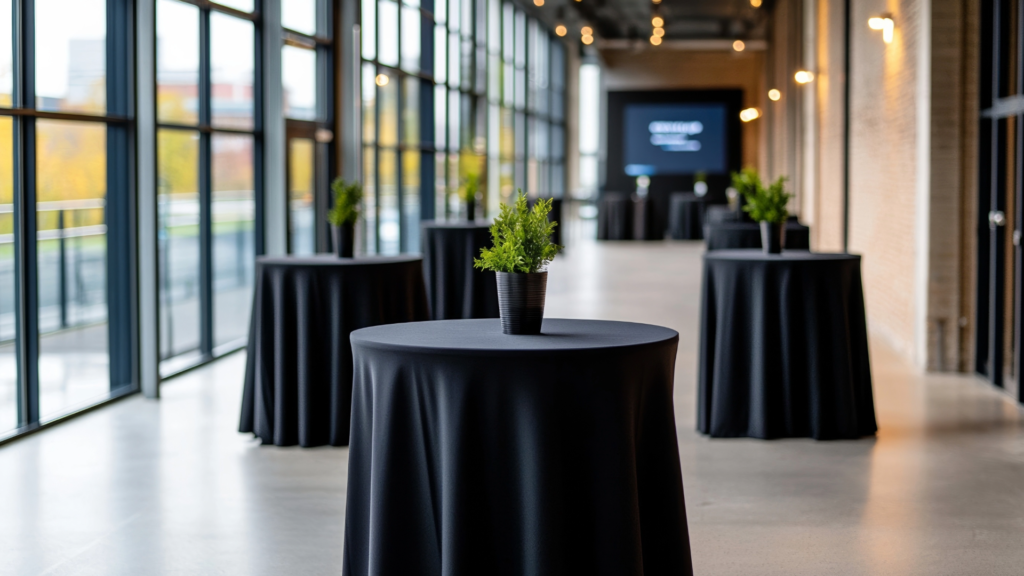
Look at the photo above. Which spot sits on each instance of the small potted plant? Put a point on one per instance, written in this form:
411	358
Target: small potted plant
468	192
521	253
344	215
768	207
700	183
745	183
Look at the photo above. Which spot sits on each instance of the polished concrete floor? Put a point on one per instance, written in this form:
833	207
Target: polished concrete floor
169	487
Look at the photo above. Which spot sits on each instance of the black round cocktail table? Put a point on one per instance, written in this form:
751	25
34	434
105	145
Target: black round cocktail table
455	290
784	347
298	373
686	216
474	452
739	235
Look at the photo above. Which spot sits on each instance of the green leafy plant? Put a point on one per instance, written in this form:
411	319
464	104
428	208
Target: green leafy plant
769	204
470	187
347	196
522	239
746	181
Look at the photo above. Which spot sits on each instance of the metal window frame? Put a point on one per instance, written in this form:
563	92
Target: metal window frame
118	119
205	128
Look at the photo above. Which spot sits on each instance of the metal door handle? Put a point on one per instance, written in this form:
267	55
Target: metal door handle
996	218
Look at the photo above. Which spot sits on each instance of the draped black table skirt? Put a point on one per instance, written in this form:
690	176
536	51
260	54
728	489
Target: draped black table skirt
645	225
733	235
784	347
455	289
686	216
615	216
720	214
298	373
475	453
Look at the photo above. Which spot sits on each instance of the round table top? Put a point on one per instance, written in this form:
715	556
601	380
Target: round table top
332	260
756	255
485	336
455	224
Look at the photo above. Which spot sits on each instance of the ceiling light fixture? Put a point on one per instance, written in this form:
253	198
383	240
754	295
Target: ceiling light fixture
803	77
561	30
655	40
774	95
659	32
885	24
587	39
587	31
739	46
538	2
750	114
382	80
657	21
755	3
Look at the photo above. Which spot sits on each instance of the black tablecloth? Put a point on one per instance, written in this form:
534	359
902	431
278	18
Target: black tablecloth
686	216
720	214
615	217
298	373
733	235
784	347
475	453
455	289
645	225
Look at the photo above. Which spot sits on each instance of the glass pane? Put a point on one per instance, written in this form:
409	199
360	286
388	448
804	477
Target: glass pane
299	74
243	5
368	30
411	39
8	358
466	11
453	61
388	228
494	26
411	111
411	201
301	155
387	22
234	251
6	72
440	11
440	116
178	214
177	56
370	198
71	55
72	265
453	120
369	103
440	54
387	134
507	32
453	9
520	47
299	15
232	55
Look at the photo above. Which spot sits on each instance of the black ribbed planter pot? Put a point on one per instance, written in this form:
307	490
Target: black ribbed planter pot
521	301
344	240
773	237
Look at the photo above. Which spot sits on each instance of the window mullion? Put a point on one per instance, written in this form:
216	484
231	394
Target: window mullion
205	193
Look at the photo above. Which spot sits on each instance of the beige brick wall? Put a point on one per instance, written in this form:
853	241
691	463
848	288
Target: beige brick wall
667	69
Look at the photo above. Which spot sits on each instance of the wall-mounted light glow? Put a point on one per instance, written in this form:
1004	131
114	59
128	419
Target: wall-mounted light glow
739	46
749	114
657	21
382	80
774	95
588	39
655	40
755	3
803	77
561	30
586	31
885	24
659	32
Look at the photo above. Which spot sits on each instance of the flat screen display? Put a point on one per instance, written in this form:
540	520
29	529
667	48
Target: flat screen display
675	139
